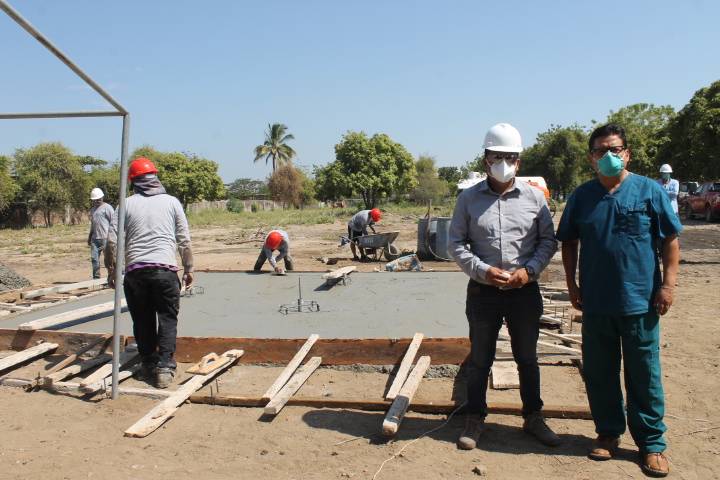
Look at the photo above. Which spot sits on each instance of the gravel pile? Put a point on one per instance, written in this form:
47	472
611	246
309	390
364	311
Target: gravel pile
11	280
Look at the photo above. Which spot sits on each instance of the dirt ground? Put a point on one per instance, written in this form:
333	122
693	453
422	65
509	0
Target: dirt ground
46	435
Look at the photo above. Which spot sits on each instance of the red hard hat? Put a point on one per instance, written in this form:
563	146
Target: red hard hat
273	240
375	214
140	166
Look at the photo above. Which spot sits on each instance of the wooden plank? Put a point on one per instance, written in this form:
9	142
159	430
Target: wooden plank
399	407
74	369
553	320
14	308
291	367
339	272
106	370
504	375
88	313
561	337
160	414
70	359
334	351
68	342
103	385
278	401
20	357
404	369
62	288
552	346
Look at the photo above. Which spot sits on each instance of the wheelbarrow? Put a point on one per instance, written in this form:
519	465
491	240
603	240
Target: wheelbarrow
379	244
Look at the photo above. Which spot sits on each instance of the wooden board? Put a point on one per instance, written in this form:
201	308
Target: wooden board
103	384
21	357
74	369
504	375
278	401
160	414
562	337
399	407
62	288
405	366
291	367
339	272
106	370
88	313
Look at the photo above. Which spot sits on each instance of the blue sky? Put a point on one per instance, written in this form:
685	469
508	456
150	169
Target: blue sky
207	77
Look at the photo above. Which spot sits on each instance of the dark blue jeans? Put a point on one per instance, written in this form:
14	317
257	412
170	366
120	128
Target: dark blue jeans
153	298
97	245
521	308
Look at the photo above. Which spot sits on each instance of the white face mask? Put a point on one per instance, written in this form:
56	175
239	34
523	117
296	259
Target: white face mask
503	171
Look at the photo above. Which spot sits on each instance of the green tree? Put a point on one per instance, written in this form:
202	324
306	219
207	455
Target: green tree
245	187
476	165
8	186
451	175
275	146
51	178
429	186
107	178
644	129
307	185
286	186
692	138
560	156
184	175
374	167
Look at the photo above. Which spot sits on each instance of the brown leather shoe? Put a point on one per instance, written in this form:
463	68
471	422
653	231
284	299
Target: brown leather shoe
655	464
603	447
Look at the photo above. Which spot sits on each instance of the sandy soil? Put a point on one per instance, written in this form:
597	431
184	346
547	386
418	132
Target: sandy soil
49	435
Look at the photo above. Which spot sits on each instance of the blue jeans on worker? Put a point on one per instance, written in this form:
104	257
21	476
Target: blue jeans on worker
633	340
486	306
97	245
153	298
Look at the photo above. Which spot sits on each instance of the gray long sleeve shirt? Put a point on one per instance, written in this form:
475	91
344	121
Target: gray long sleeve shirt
155	226
508	232
100	218
361	221
283	249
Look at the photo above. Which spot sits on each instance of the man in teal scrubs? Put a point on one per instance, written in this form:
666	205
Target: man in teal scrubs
615	222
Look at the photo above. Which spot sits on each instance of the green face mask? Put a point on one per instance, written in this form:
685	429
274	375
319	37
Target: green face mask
666	176
610	165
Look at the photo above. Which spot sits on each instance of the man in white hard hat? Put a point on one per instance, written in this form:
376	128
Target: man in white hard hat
501	236
671	186
101	215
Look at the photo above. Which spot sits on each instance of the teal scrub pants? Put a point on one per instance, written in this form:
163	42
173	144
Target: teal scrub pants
635	341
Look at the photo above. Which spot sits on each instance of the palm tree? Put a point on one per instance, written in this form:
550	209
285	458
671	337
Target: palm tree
275	147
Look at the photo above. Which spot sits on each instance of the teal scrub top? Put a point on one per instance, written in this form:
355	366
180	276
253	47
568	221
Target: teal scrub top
618	233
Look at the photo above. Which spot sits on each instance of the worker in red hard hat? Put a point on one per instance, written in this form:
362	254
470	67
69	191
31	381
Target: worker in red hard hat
357	227
155	226
280	241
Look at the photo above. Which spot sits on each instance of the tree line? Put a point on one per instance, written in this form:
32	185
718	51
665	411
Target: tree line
49	176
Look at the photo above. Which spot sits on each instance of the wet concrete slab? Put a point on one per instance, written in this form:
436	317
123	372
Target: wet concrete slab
372	305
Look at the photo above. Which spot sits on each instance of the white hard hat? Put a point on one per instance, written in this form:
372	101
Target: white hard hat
503	137
666	169
96	194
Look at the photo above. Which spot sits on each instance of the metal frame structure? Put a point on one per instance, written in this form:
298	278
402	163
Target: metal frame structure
119	112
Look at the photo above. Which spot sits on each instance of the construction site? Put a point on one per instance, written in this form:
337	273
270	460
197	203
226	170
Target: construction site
337	369
367	381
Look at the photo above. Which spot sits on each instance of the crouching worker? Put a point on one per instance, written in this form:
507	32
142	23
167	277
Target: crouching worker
155	225
275	240
357	227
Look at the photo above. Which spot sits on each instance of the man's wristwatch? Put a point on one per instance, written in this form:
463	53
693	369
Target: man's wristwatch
530	270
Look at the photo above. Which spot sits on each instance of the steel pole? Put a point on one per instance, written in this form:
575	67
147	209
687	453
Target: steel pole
120	258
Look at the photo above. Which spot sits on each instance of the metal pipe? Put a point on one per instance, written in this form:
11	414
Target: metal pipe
100	113
120	258
20	20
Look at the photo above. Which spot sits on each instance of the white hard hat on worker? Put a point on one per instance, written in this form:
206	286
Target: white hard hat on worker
666	169
96	194
502	146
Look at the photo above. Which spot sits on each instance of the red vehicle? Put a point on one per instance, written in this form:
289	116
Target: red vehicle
705	201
